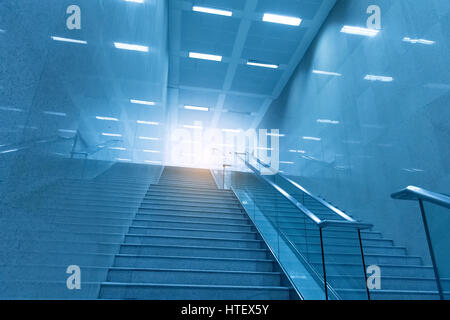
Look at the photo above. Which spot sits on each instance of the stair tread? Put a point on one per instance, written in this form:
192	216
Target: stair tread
131	284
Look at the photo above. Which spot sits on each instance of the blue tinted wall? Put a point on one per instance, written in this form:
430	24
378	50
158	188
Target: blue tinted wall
366	116
50	89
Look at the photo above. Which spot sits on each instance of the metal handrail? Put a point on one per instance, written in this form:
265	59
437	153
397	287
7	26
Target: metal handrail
417	193
30	143
304	190
320	223
421	195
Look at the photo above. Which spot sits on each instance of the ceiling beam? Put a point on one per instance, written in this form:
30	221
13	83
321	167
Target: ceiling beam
238	47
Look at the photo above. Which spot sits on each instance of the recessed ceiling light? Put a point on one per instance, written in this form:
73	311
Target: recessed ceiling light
359	31
67	130
8	151
327	73
204	56
132	47
275	18
327	121
371	77
196	108
53	113
421	41
117	148
263	65
149	138
312	138
212	11
69	40
147	103
11	109
106	118
111	134
151	151
151	123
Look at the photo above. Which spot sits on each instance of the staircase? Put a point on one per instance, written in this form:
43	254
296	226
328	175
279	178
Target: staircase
190	240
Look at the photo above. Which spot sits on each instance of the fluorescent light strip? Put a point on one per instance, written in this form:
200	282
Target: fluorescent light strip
421	41
117	148
67	131
204	56
151	123
147	103
292	21
53	113
151	151
111	134
360	31
212	11
9	151
69	40
276	135
371	77
196	108
286	162
327	121
132	47
312	138
327	73
11	109
137	1
121	159
263	65
149	138
106	118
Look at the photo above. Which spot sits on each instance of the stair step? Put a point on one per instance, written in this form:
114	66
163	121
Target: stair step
112	290
160	223
189	276
194	217
190	232
194	251
197	263
192	241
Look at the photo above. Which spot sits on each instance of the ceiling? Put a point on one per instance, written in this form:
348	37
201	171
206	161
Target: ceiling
237	95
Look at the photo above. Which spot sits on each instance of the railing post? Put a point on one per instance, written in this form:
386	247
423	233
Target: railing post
223	176
323	265
364	264
430	247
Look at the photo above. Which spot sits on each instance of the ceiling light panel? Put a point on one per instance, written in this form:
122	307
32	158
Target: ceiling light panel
275	18
204	56
212	11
